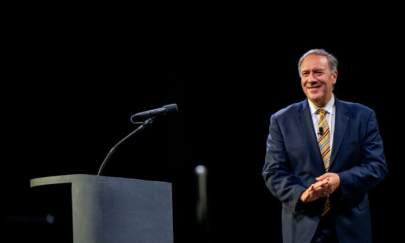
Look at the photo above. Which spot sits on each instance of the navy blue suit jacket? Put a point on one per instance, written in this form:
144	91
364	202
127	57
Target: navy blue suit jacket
293	161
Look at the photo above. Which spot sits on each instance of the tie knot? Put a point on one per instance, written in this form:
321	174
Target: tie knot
321	112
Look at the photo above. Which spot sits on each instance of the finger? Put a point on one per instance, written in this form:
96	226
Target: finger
333	188
313	195
320	184
304	196
317	194
322	177
318	188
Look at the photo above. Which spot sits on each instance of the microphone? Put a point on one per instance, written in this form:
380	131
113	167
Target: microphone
149	116
320	132
155	112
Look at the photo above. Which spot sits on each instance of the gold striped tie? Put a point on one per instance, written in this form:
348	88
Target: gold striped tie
324	138
324	147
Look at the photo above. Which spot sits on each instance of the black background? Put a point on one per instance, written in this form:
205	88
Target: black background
72	79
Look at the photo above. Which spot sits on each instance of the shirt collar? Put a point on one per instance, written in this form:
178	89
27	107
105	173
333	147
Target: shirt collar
328	107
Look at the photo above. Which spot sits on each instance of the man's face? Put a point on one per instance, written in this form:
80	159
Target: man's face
317	79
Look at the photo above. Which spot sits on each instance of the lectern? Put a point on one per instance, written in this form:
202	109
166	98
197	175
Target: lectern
115	210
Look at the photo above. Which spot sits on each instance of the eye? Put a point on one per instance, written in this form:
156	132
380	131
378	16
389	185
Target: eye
318	73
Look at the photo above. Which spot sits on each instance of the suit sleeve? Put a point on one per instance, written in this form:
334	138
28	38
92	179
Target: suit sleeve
371	170
280	180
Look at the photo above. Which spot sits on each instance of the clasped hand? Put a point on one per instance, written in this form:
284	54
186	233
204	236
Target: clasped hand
325	185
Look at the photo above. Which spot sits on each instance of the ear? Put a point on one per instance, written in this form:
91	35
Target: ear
334	77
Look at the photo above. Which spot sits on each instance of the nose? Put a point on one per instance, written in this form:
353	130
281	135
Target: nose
311	81
311	77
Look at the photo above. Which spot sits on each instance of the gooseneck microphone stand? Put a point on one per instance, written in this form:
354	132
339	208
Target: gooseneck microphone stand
112	150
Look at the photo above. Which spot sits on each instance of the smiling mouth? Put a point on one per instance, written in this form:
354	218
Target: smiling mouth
314	87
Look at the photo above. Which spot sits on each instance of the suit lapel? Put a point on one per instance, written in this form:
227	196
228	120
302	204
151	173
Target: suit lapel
341	121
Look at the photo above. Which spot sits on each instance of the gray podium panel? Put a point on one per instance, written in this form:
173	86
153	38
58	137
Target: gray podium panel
117	210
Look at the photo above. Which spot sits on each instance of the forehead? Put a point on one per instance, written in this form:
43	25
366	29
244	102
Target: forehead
314	61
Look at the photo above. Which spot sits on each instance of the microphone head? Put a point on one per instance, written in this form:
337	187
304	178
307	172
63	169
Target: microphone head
321	131
171	108
153	113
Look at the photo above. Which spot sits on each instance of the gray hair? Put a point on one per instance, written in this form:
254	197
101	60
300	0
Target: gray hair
333	62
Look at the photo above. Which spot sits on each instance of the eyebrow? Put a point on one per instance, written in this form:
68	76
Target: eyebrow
315	69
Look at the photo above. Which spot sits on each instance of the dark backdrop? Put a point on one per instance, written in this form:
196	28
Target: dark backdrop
71	86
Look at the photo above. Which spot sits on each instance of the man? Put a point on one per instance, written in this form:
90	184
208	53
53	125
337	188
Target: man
323	156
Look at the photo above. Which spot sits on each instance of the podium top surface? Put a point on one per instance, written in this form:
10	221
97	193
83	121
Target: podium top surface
85	178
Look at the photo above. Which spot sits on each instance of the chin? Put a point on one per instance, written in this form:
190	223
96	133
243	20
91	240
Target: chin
317	99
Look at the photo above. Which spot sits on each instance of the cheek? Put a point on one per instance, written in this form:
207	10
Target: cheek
303	88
